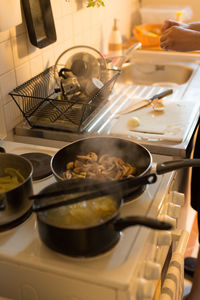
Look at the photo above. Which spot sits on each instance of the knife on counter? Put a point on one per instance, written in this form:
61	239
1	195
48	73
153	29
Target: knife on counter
144	102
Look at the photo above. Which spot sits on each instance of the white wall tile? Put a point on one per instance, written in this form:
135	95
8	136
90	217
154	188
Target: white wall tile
3	131
58	49
68	44
18	30
32	50
13	114
56	9
6	57
48	58
36	65
67	25
23	73
59	30
7	84
78	22
4	36
75	25
68	7
97	15
20	49
86	19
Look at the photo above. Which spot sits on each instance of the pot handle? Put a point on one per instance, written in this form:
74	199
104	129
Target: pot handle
125	222
2	201
172	165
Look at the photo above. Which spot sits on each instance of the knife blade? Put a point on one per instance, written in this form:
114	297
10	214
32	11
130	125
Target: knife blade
144	102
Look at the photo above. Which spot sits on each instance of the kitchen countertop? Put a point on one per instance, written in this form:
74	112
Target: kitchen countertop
160	147
128	43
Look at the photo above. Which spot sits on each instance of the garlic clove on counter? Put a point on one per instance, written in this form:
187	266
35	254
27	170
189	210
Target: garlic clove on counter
133	122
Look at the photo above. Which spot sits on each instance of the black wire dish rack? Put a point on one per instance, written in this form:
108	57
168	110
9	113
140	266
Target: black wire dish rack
39	102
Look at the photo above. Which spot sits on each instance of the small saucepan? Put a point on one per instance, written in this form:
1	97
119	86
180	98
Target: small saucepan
14	201
89	228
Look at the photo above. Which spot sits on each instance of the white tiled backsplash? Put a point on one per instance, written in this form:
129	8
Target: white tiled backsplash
75	25
194	5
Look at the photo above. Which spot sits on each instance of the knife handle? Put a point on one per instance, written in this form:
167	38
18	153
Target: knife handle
162	95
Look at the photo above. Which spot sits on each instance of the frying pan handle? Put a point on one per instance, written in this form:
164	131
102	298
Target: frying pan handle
125	222
138	181
172	165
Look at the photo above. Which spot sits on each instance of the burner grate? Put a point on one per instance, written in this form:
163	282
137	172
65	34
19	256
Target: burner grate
38	100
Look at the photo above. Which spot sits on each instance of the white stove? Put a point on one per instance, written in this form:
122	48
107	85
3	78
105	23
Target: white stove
131	270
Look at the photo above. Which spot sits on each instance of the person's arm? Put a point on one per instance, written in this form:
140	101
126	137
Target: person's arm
194	26
180	38
169	23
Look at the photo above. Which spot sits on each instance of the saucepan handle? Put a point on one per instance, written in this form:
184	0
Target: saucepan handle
125	222
172	165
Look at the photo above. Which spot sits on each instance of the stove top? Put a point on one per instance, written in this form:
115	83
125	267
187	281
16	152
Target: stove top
115	269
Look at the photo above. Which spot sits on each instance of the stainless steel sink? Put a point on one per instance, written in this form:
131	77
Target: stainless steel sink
155	74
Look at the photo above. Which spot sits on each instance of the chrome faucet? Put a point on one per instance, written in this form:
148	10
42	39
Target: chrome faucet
128	54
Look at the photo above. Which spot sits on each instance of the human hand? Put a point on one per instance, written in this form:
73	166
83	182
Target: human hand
169	23
179	38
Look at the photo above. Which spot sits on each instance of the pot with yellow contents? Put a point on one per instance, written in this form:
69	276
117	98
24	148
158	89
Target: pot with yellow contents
15	189
87	228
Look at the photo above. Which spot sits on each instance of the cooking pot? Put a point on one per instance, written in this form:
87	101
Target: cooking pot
131	152
88	240
14	204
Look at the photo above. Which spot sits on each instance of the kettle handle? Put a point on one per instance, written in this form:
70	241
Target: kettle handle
62	72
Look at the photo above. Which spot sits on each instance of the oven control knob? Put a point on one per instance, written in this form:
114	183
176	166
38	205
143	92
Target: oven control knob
173	210
152	270
169	219
164	238
177	198
145	289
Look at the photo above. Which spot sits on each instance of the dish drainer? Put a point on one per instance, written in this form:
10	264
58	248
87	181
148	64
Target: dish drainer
39	102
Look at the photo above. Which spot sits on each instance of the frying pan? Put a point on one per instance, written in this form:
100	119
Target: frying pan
131	152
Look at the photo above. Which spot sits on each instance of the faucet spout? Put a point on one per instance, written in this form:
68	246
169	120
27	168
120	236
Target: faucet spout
128	54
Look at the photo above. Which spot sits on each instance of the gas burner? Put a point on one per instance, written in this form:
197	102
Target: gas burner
132	196
41	164
15	223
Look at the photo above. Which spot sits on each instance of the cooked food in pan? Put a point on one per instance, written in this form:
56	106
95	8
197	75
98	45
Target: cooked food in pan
83	214
11	179
105	167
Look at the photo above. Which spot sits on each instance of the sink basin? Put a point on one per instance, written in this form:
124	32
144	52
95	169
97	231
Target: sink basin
170	74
